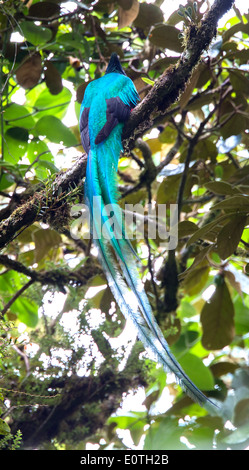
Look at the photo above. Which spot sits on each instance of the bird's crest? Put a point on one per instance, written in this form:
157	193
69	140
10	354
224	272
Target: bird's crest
114	65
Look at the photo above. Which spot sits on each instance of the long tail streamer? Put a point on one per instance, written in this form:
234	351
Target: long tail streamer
106	106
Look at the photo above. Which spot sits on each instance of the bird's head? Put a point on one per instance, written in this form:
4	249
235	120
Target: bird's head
114	65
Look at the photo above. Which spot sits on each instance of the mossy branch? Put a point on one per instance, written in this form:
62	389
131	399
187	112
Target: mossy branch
30	211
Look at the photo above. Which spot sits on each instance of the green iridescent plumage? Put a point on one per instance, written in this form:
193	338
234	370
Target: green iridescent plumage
106	106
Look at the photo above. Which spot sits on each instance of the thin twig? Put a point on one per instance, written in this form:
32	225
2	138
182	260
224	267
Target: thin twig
15	296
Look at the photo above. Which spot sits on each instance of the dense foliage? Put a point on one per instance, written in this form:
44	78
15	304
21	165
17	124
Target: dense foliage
68	359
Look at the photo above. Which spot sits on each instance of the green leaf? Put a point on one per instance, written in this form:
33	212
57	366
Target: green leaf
18	133
202	434
241	316
37	35
186	310
134	421
186	228
204	150
235	29
44	9
161	64
148	81
55	131
239	81
15	143
6	181
19	116
223	368
167	191
148	15
70	40
29	73
217	318
129	419
239	435
33	94
56	105
186	341
167	37
221	187
235	125
38	147
45	240
230	235
23	307
168	135
4	428
164	434
197	371
48	165
26	311
209	231
240	203
127	13
196	278
201	100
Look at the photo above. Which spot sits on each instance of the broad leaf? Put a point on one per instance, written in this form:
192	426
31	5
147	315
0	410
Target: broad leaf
196	278
19	116
127	15
55	131
44	241
29	72
56	105
148	15
36	34
217	318
197	371
230	235
167	37
164	434
4	428
53	78
26	310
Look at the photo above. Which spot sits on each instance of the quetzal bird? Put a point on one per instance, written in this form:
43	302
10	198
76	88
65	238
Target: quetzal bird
106	105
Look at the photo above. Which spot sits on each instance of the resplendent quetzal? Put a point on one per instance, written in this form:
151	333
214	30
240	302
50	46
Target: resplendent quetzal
107	104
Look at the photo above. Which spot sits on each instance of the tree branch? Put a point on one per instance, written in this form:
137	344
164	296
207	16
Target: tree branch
56	277
103	392
29	212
